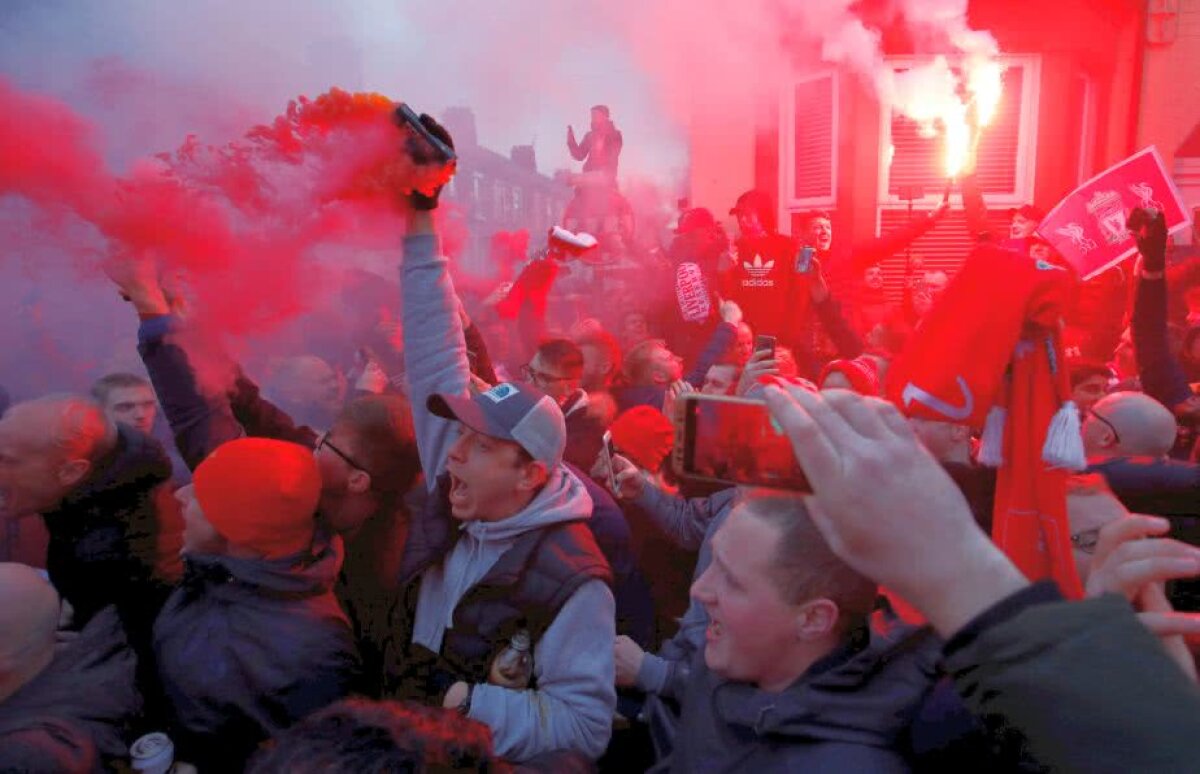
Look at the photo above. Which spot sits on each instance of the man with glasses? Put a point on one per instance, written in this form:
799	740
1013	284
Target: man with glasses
557	370
1127	437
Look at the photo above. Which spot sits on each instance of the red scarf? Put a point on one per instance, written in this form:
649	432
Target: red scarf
989	353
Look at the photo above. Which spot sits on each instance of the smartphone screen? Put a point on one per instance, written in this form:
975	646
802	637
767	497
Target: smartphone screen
735	441
609	453
764	344
804	260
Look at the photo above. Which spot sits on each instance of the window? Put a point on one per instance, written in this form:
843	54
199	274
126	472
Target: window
1004	167
808	132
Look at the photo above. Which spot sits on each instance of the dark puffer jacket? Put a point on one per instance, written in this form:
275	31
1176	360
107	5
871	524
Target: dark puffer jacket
76	714
247	647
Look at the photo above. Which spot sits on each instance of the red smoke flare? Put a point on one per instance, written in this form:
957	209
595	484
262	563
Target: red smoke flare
240	222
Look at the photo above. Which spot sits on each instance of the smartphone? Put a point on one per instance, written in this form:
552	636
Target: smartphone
729	440
609	453
407	117
804	259
764	344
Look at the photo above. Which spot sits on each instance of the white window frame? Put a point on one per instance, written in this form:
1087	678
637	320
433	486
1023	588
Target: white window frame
788	203
1085	170
1031	86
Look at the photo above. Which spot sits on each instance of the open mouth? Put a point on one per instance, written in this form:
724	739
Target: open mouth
458	492
714	631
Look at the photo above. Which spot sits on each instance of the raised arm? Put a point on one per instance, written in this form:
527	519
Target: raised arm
435	351
1162	376
887	245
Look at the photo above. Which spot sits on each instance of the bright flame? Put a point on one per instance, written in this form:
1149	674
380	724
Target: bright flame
986	85
958	141
955	105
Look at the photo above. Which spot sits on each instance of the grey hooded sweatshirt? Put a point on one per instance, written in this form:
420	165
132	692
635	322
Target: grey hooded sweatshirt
572	707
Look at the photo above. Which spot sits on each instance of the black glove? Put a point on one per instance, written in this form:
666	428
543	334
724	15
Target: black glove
1150	230
422	153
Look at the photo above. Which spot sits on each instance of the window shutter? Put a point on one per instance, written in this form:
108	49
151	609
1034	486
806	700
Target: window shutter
813	124
941	248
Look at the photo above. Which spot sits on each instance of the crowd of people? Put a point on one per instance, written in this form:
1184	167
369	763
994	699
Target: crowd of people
472	552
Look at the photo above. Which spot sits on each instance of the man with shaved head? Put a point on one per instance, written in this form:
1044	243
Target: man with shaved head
60	711
308	389
1127	436
104	493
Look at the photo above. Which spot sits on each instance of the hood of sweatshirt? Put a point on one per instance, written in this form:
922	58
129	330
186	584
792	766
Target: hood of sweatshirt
305	574
482	543
864	694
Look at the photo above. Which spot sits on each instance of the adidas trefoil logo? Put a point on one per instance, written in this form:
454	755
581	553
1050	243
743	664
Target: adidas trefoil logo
758	269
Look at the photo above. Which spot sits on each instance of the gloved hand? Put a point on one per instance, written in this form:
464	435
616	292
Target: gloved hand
420	151
1150	230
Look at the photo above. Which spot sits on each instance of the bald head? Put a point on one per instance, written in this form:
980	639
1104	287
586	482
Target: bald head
1129	424
308	387
29	609
47	447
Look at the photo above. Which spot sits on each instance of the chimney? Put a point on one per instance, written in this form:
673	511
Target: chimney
523	156
460	122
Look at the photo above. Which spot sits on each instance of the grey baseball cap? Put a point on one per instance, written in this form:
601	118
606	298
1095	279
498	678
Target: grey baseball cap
512	412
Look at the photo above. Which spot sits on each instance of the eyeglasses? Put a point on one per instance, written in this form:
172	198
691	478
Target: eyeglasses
531	374
1086	540
325	443
1106	423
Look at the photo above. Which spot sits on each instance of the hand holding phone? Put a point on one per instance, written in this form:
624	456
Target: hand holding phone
609	453
763	343
735	441
804	259
759	365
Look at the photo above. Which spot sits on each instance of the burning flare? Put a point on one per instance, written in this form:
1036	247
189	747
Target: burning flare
955	103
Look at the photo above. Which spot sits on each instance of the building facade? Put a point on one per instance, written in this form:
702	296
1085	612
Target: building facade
1087	82
492	192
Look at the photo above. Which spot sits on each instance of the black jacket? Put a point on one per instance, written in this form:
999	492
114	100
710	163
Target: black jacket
1076	686
850	712
247	647
116	539
77	713
1162	487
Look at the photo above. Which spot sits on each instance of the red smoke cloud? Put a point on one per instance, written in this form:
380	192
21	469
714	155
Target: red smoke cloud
240	223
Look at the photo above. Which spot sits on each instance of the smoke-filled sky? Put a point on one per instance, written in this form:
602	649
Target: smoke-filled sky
152	72
126	79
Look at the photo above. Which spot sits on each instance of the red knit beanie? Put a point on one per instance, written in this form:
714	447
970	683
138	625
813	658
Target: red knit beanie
861	372
643	435
260	494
